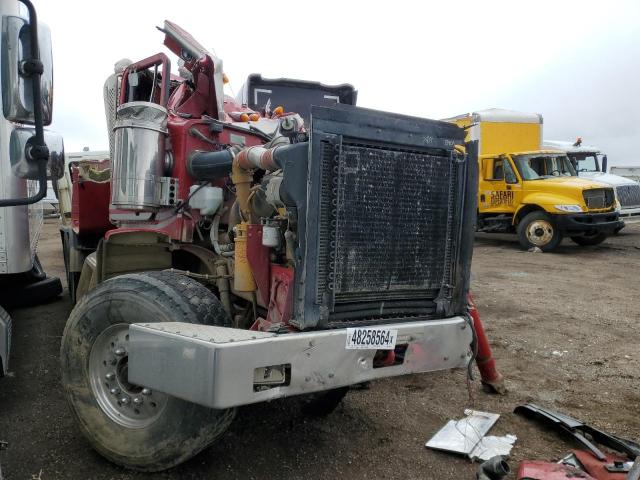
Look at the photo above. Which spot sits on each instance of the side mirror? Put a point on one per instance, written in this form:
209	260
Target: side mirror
27	90
604	164
19	144
17	83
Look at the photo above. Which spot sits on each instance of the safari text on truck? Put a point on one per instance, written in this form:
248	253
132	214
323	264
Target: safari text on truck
532	192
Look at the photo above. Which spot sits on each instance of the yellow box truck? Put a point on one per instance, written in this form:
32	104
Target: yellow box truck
532	192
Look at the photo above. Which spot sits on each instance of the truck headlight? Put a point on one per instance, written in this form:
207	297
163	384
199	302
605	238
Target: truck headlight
569	208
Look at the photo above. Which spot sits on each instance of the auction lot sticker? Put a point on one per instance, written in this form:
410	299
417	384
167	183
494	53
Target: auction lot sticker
373	338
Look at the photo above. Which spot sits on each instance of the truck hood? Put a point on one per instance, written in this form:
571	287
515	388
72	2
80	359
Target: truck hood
608	178
562	183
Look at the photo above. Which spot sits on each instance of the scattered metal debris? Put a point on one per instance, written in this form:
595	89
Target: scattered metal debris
491	446
462	436
614	467
634	473
618	467
579	431
467	437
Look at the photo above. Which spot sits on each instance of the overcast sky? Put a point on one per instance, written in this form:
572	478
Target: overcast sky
575	62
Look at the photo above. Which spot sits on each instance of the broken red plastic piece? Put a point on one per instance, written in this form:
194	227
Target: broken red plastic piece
598	468
538	470
489	374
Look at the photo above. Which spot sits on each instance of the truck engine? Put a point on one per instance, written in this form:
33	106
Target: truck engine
245	252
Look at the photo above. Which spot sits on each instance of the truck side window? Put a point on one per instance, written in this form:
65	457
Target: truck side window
498	170
537	165
509	174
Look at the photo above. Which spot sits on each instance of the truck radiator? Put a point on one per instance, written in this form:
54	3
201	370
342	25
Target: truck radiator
385	209
387	230
628	195
598	198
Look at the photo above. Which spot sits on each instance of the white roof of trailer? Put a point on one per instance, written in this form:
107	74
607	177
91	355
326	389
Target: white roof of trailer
88	155
569	147
500	115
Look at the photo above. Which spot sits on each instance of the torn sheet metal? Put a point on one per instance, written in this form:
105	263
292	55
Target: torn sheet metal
462	436
489	447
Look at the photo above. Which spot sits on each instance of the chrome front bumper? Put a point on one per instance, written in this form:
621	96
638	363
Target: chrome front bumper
223	367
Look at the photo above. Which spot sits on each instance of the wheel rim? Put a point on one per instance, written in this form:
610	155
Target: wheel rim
129	405
539	232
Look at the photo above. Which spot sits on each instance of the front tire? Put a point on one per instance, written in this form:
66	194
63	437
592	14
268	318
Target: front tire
537	229
129	424
590	240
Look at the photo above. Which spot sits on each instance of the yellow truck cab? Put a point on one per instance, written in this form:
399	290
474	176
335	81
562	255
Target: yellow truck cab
533	192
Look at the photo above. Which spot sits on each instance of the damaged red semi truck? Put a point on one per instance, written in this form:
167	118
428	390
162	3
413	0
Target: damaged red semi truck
241	250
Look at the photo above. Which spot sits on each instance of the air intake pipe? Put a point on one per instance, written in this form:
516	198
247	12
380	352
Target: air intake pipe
208	165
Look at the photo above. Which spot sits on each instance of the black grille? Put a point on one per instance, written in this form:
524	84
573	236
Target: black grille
598	198
628	195
386	232
384	209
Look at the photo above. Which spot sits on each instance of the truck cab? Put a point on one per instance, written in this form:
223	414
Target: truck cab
532	192
591	163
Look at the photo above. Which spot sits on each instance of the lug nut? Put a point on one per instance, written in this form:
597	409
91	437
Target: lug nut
125	400
120	351
138	400
146	391
110	376
114	391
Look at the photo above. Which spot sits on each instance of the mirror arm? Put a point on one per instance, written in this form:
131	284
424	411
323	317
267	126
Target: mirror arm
36	150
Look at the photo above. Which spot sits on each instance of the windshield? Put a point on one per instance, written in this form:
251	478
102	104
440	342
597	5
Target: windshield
536	166
585	162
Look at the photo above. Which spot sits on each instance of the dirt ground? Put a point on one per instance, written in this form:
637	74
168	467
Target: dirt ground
564	328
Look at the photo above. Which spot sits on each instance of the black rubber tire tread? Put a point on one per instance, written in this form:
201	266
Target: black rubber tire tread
183	429
590	240
522	235
322	404
203	303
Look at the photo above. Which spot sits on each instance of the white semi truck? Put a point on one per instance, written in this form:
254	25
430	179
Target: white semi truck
591	163
29	156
